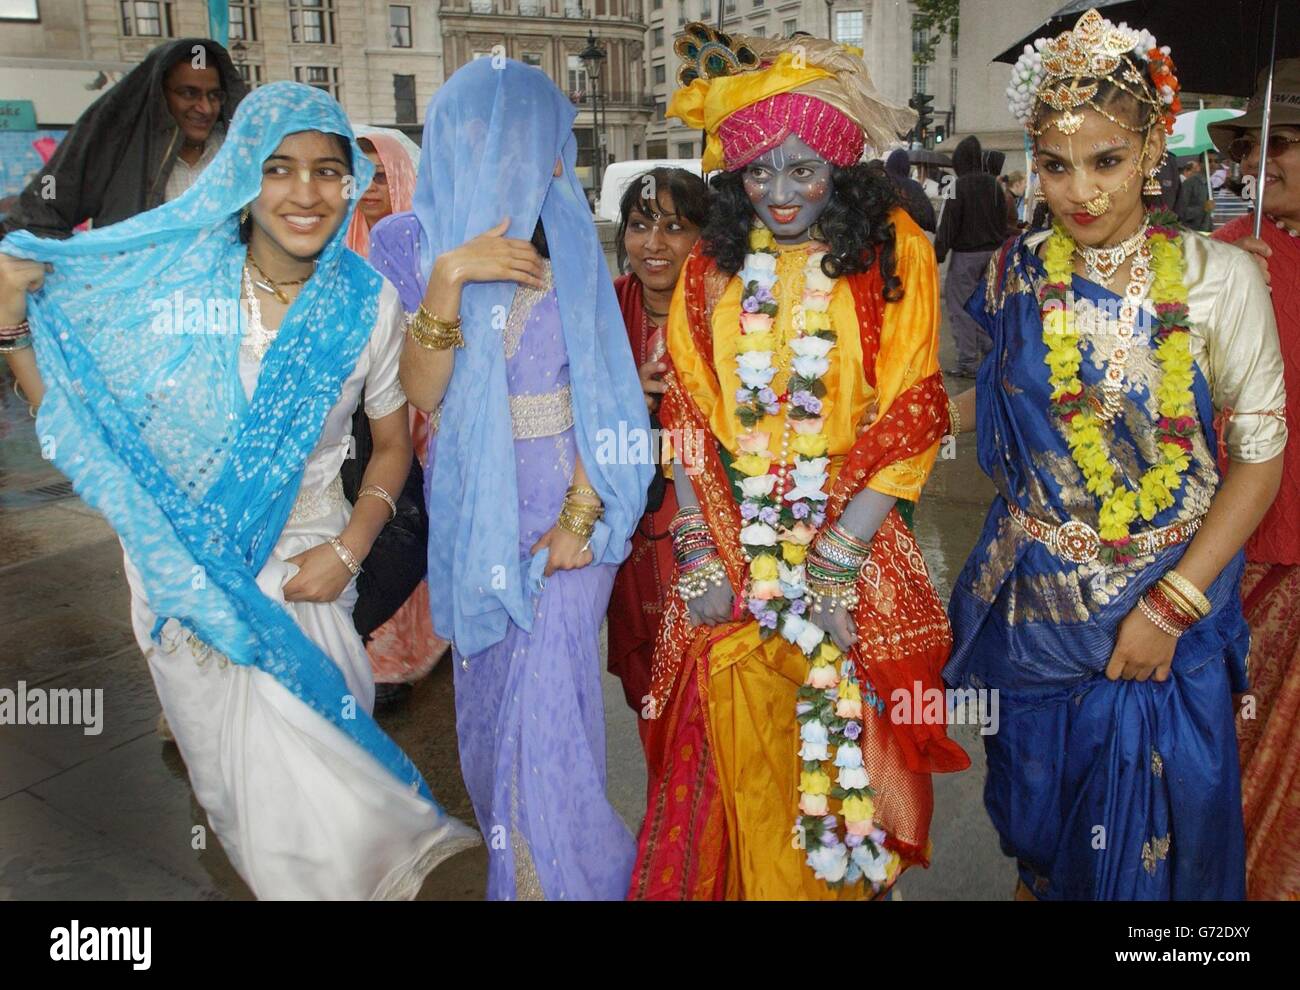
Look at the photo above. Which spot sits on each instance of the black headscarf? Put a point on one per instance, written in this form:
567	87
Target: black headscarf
967	156
115	161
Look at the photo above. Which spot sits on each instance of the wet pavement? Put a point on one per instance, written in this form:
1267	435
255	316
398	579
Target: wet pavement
111	816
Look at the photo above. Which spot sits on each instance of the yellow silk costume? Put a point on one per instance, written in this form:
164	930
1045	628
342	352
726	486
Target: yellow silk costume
752	682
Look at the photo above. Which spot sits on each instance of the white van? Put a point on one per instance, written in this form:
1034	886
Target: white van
619	176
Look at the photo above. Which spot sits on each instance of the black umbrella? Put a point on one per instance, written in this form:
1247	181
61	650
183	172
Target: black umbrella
1219	46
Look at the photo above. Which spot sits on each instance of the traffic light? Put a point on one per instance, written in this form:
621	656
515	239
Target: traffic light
923	104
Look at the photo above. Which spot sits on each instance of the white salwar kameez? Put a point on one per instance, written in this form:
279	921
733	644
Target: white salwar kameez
302	811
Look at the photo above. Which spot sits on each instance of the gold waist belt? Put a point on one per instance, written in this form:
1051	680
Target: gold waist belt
1079	543
542	415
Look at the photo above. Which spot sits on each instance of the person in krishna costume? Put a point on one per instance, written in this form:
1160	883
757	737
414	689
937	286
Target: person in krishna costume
803	343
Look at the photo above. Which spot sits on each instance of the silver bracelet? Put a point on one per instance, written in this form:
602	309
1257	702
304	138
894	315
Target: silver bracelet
378	492
345	555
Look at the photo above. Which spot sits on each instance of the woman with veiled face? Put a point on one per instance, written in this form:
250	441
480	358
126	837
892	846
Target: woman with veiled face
197	367
518	350
1102	599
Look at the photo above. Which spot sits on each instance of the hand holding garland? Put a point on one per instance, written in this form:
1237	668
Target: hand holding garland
838	553
709	595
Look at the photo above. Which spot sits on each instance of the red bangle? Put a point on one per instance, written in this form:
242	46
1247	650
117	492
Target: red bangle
1167	610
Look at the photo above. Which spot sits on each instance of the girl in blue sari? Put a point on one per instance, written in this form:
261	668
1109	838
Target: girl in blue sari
197	367
1101	600
538	466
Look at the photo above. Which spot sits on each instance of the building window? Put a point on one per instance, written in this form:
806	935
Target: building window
531	8
757	4
920	37
531	58
952	91
760	31
482	6
661	110
324	77
404	99
19	10
658	37
788	28
399	26
921	79
952	45
311	22
251	74
146	19
656	4
848	27
243	20
686	149
706	10
730	8
577	78
660	74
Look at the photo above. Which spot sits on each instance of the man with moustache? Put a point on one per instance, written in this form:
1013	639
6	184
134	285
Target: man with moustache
142	143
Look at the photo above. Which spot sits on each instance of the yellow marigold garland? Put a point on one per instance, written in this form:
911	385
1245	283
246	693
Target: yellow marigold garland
1176	405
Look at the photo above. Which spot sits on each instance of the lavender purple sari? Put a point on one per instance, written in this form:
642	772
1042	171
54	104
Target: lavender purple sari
529	711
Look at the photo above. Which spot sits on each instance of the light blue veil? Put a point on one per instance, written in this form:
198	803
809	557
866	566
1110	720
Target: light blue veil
137	335
492	135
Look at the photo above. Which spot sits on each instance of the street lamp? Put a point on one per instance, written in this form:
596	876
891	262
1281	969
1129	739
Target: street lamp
593	58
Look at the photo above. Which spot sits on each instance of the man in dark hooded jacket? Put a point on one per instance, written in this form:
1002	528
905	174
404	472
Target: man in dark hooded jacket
140	144
973	226
910	192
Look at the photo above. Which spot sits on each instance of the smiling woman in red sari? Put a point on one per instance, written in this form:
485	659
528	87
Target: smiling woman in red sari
661	213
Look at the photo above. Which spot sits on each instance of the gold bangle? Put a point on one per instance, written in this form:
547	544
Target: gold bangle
582	490
1194	597
432	333
954	418
592	510
581	528
379	492
345	555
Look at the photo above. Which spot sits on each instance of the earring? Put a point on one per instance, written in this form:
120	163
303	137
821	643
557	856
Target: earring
243	216
1038	195
1152	186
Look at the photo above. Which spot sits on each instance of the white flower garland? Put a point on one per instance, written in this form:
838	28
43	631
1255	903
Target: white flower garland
779	526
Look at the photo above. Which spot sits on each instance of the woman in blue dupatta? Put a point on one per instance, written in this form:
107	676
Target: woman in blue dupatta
537	472
1101	601
199	365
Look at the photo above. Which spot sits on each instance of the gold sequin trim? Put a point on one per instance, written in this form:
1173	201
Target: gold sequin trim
543	415
528	886
313	505
1153	851
1157	764
526	297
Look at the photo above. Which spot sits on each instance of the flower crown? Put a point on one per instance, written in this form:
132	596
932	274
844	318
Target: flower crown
1051	70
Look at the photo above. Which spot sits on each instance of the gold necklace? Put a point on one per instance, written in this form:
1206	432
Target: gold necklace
268	284
1101	264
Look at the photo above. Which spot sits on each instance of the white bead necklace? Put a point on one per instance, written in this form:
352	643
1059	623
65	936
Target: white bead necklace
1291	231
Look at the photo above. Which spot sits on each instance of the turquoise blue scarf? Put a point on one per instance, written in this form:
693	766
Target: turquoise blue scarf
137	335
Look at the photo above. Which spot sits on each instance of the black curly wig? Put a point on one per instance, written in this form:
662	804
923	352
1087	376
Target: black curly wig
855	224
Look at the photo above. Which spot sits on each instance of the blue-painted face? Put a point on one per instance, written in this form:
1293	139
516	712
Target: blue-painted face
789	187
